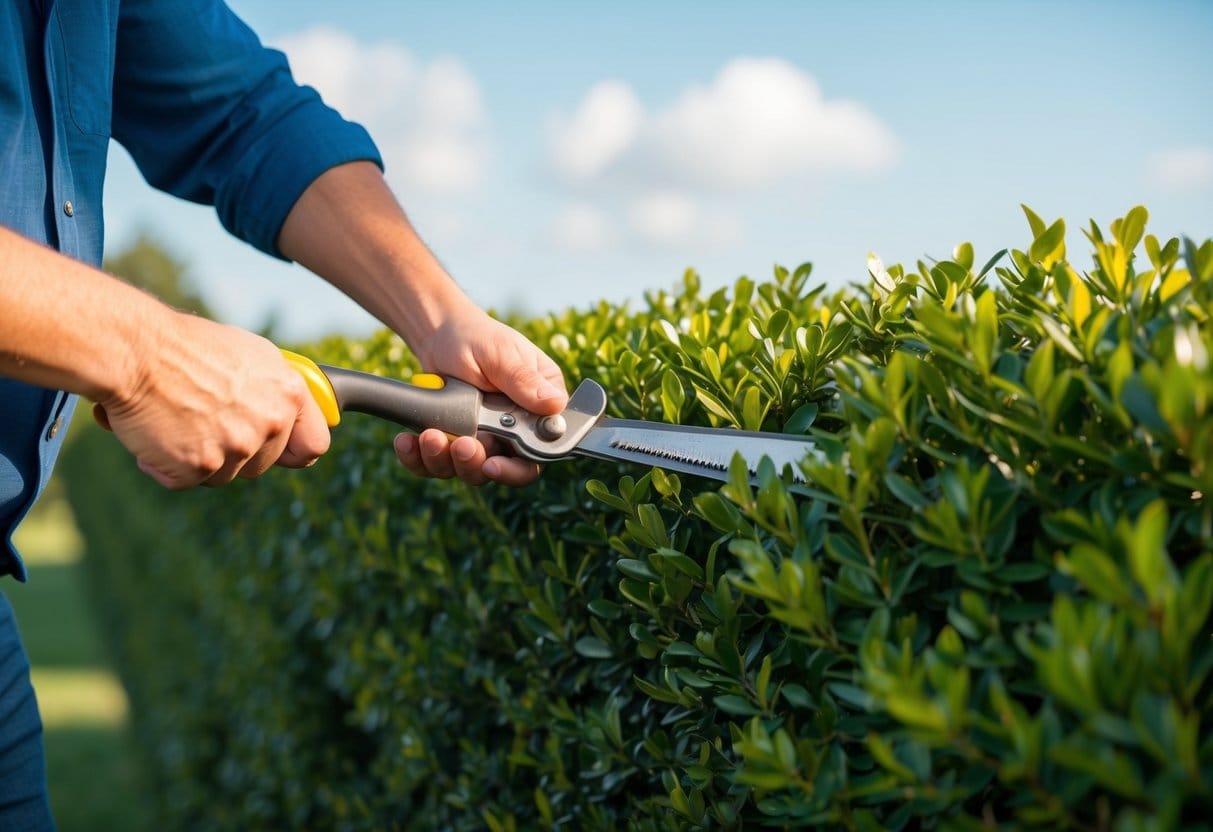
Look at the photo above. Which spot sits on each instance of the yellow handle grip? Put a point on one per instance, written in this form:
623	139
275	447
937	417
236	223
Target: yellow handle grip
318	385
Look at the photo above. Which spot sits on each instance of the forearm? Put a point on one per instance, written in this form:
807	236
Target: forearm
68	326
349	229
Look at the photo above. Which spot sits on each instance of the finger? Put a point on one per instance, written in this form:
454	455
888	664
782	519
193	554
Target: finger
270	452
164	478
511	471
468	456
436	454
309	439
102	417
408	451
235	465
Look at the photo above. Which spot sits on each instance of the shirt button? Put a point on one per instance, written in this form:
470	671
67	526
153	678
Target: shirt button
53	430
69	209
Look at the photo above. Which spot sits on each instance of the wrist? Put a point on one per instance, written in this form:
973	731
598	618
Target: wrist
140	334
430	301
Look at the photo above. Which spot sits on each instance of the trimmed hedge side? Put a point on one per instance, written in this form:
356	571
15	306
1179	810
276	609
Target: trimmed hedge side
988	606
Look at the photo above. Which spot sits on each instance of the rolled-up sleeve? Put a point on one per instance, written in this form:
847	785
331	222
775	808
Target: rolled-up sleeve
212	116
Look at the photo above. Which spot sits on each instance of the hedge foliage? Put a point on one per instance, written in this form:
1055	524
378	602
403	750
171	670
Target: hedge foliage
988	607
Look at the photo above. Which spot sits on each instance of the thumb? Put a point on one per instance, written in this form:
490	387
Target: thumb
539	389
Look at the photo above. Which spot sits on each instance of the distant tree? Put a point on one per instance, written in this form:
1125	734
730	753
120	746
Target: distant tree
149	265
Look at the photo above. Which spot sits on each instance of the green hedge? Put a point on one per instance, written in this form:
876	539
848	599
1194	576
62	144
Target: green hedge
988	607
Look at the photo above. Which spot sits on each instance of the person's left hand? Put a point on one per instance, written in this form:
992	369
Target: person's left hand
484	352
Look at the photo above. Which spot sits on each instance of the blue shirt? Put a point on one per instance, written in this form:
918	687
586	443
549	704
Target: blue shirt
207	113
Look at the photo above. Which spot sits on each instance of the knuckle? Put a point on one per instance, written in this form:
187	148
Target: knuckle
204	460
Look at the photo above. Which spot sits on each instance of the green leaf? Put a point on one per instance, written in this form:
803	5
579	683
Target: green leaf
990	263
1139	401
764	680
1101	762
637	570
681	562
1130	230
853	695
1060	338
681	648
718	511
843	548
916	711
1034	222
736	705
657	692
1199	258
642	635
1049	246
904	490
882	752
797	696
985	333
753	409
1154	251
668	331
802	419
1194	600
593	648
603	608
673	397
880	274
963	254
1148	560
714	405
1039	372
602	494
1022	573
1098	572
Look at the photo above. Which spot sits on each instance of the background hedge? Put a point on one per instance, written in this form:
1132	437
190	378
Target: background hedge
988	607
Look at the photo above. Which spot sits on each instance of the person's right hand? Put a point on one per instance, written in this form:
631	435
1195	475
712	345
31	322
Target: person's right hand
212	402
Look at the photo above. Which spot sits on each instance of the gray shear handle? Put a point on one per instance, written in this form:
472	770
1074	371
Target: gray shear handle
454	409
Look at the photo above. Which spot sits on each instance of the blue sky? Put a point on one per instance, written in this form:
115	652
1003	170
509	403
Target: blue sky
557	153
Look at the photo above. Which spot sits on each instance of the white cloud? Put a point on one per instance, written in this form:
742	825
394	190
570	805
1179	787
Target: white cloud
581	227
665	218
448	96
427	119
605	125
671	220
1181	169
662	219
759	122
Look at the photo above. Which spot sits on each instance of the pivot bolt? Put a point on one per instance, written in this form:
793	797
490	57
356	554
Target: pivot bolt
551	427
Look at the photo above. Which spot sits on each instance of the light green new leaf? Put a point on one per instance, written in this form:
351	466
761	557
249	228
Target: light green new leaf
1050	246
1148	560
1130	230
1034	221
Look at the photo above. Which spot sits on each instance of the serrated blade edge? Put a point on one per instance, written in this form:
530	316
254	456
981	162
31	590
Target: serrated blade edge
705	452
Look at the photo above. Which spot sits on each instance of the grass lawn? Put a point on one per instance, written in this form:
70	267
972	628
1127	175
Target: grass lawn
94	784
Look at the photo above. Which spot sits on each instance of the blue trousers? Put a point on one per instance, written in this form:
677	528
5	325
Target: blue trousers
24	806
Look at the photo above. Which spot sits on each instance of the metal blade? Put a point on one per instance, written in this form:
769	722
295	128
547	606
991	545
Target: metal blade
705	452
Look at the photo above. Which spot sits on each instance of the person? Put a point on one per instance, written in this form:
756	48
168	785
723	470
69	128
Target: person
210	115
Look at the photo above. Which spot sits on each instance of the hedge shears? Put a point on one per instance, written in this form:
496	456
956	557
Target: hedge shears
460	409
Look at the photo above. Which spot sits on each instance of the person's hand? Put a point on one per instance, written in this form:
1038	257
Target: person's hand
484	352
214	402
